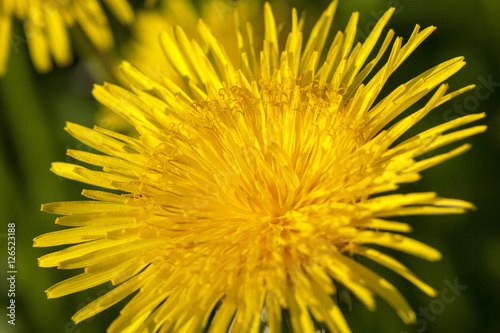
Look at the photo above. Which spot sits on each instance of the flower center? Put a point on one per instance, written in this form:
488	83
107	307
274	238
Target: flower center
257	155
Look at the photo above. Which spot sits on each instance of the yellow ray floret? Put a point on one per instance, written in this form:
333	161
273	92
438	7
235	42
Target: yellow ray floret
253	184
46	26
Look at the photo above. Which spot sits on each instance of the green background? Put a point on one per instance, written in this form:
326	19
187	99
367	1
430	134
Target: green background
34	109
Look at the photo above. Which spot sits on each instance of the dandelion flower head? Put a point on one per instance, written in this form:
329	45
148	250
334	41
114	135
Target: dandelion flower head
46	23
252	184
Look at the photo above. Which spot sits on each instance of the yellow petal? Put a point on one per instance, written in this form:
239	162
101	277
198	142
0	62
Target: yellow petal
398	242
58	39
76	235
396	266
82	282
110	298
122	10
5	31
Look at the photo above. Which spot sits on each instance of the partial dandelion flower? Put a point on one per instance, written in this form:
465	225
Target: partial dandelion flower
145	52
46	23
252	186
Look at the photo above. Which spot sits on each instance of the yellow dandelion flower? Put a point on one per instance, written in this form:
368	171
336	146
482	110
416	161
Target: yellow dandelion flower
46	23
251	186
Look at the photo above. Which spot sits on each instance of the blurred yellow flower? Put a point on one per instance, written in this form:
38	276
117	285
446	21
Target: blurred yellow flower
251	186
46	23
146	53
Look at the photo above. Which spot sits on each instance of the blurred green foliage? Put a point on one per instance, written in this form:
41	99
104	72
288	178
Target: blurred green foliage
34	109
